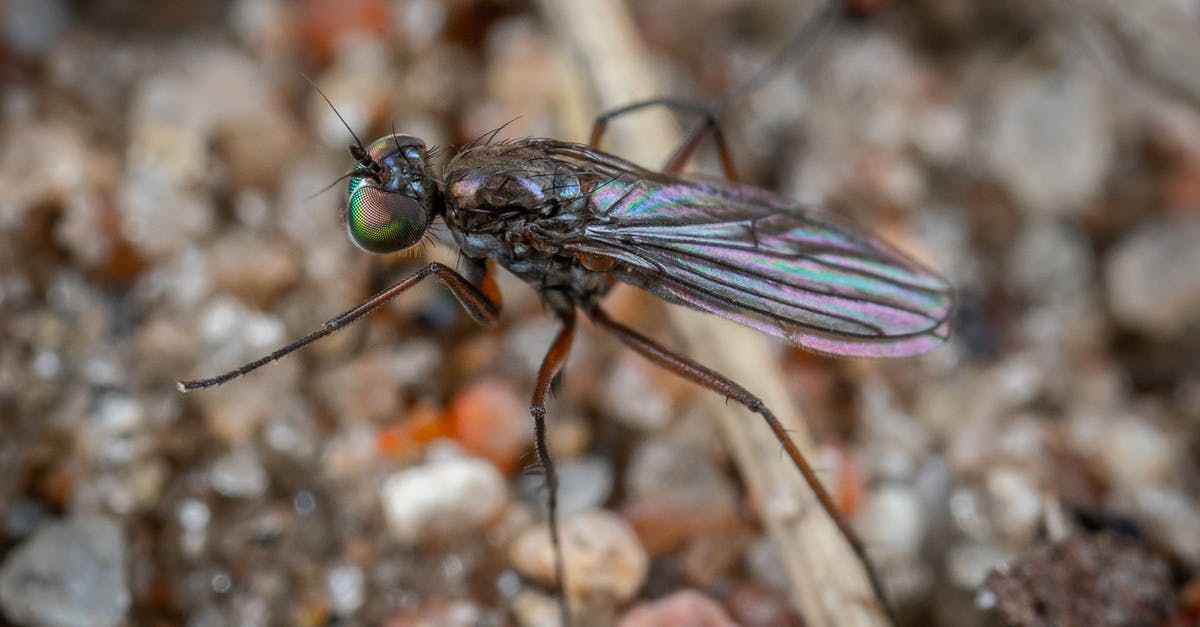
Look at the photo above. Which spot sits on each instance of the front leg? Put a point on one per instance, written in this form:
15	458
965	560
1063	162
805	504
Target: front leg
477	303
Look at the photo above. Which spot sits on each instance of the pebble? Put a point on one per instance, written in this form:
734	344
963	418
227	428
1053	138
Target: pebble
753	605
70	573
256	272
1175	516
1134	453
114	432
674	492
362	389
194	517
30	27
531	608
347	589
1048	138
152	231
762	560
1151	279
584	484
1050	262
632	397
239	474
441	499
967	565
686	607
31	178
604	560
1016	504
892	521
441	613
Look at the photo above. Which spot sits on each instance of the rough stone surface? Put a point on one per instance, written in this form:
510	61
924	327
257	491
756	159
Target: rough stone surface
74	573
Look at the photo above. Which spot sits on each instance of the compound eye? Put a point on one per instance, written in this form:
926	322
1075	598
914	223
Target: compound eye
380	221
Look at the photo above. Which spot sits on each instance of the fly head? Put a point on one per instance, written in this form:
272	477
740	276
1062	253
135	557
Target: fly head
392	197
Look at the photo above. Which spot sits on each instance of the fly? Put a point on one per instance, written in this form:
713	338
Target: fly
572	221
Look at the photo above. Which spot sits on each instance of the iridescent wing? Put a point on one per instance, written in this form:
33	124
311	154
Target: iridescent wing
741	253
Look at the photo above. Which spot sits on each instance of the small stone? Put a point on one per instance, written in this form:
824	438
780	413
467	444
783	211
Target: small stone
71	573
442	614
1048	138
415	361
763	563
1016	504
156	233
1050	262
449	497
968	512
362	389
1173	517
193	516
686	607
349	454
240	474
531	608
758	606
1134	453
31	27
583	484
1152	283
967	565
675	491
892	521
602	556
29	178
633	398
115	431
254	271
346	586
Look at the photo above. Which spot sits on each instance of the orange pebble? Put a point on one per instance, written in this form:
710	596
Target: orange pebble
490	420
408	437
322	24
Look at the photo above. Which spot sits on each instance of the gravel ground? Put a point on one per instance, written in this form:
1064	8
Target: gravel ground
161	218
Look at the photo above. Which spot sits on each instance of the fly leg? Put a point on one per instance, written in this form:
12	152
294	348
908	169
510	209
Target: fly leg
551	365
479	306
720	384
682	153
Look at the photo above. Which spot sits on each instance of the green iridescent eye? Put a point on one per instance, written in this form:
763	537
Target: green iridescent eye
380	221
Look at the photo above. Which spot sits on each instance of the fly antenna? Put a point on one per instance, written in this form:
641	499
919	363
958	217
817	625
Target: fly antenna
357	141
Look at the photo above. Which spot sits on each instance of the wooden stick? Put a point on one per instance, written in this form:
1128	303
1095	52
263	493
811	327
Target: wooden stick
829	585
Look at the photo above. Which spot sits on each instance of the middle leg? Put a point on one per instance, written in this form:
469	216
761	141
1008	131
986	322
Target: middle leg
552	364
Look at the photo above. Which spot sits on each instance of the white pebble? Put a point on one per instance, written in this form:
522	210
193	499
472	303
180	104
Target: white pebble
444	498
969	564
892	521
1016	504
1151	277
1134	453
69	573
239	474
346	589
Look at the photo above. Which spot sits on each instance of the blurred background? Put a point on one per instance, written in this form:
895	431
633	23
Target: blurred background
161	217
